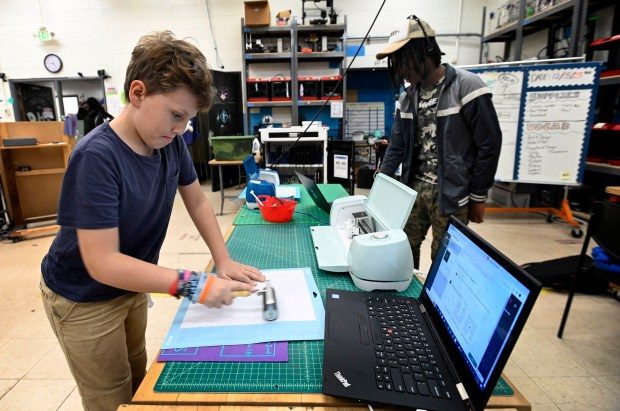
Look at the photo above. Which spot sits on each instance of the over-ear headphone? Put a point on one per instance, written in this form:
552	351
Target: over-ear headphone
430	49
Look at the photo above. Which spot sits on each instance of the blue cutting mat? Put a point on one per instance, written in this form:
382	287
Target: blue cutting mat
185	337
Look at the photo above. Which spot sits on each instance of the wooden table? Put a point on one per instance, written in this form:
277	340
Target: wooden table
220	164
147	399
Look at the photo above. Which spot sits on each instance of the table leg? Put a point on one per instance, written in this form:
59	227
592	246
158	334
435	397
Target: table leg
219	167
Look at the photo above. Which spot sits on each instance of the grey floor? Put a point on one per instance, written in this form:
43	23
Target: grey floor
581	371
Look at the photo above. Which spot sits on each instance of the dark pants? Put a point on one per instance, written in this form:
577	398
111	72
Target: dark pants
425	214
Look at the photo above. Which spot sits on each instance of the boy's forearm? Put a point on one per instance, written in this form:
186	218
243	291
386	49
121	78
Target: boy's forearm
100	251
129	273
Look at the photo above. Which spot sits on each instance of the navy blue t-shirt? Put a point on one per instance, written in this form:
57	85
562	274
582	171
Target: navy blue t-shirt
108	185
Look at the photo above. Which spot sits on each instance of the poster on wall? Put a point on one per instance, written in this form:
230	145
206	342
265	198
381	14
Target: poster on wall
113	101
554	124
341	166
506	88
545	114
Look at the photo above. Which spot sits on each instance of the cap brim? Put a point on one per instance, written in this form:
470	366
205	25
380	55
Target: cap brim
391	48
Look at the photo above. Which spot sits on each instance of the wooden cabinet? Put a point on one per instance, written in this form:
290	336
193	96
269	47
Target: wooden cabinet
32	175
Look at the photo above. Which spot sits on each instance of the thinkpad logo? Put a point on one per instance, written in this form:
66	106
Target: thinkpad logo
341	378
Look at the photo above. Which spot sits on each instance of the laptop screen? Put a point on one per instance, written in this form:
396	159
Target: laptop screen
478	301
314	192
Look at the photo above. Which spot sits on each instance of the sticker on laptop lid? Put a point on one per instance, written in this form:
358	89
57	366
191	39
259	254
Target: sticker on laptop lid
336	296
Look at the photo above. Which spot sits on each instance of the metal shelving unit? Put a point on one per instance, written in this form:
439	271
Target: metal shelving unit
605	138
303	154
603	168
540	21
269	104
292	60
268	56
609	81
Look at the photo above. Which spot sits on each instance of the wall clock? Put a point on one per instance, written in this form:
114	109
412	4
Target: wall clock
52	63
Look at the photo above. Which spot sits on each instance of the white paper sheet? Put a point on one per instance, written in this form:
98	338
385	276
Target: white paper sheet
341	166
284	192
335	109
292	296
506	88
553	135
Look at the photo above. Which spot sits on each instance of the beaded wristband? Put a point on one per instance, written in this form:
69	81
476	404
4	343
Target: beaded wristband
185	285
184	279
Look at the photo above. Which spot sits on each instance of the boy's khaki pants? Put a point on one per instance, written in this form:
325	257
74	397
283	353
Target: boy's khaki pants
104	345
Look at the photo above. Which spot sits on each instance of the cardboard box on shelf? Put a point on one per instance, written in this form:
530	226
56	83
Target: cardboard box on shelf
257	13
283	17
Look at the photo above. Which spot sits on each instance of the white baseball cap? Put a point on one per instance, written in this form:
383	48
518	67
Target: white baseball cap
403	32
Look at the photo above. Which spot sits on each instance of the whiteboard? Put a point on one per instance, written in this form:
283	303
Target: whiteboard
365	117
545	114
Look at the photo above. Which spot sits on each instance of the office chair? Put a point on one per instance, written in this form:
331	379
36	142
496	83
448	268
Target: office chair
603	228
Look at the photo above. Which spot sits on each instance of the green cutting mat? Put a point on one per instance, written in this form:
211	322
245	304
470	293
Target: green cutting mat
306	212
271	246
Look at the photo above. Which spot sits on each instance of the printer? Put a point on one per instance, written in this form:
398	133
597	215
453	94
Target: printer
365	237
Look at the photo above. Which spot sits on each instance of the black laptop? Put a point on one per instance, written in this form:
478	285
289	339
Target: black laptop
443	351
315	193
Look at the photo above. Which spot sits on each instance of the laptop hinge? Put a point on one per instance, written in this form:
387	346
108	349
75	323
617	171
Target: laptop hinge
462	391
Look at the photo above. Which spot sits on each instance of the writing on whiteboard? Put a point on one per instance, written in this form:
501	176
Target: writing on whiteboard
561	77
547	126
555	95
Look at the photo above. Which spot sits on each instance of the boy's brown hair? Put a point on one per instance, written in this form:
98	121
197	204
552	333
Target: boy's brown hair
164	63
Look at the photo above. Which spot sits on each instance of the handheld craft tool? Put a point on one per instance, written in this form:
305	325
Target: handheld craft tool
270	308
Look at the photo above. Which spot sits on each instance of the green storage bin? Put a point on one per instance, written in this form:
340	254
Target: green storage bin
231	147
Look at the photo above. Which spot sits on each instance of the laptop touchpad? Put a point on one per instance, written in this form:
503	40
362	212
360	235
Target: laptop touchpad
344	327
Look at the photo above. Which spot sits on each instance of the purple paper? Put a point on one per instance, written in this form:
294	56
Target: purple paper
260	352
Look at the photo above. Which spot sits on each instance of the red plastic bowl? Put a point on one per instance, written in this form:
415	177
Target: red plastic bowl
276	210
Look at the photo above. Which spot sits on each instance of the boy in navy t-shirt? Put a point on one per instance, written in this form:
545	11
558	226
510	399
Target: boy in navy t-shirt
115	206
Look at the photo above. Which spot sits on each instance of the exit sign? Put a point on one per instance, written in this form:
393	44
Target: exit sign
44	34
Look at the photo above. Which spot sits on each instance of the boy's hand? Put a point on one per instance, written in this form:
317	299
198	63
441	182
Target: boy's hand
215	292
232	270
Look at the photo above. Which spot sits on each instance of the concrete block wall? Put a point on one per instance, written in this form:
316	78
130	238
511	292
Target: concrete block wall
100	34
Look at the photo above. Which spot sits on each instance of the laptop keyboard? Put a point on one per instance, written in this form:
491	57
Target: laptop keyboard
406	362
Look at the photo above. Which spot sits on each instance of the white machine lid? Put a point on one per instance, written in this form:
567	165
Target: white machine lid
390	202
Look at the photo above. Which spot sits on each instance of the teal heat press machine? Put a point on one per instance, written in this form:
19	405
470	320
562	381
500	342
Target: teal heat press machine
365	237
